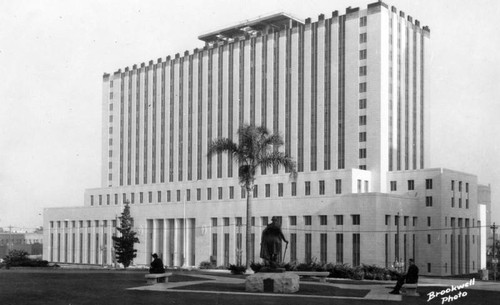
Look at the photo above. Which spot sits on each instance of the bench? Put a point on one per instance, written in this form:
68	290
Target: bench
410	290
318	274
154	278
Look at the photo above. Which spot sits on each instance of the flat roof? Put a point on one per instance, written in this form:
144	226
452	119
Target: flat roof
258	23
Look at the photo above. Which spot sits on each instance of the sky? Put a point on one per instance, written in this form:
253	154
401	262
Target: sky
53	54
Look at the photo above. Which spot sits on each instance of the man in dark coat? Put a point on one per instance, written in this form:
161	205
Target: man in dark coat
270	246
156	265
411	277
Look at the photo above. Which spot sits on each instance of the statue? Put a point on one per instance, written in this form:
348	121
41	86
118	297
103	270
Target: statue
270	246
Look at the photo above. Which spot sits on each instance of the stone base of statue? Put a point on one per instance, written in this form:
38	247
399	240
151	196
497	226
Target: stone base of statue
272	282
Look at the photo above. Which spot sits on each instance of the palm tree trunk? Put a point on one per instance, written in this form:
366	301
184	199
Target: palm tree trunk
248	230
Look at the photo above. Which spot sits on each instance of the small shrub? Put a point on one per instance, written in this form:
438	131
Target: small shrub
207	265
237	269
256	266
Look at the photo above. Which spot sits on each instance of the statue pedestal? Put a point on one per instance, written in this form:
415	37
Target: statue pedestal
272	282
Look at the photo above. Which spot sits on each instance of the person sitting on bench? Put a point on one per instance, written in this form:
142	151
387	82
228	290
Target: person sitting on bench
156	265
411	277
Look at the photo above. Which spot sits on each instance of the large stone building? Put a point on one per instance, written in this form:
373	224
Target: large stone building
349	93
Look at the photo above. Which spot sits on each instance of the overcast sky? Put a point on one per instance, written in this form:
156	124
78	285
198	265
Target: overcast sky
53	55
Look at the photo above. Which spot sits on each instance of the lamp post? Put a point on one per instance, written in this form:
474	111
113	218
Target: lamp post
494	260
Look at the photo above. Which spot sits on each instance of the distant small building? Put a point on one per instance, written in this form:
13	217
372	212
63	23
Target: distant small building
31	242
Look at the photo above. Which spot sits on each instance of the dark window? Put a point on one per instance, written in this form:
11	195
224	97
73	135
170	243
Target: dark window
356	220
428	184
411	185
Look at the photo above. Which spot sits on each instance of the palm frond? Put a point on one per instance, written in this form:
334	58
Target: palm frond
222	145
281	159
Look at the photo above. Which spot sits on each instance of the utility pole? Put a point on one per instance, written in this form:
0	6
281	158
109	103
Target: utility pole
9	247
494	259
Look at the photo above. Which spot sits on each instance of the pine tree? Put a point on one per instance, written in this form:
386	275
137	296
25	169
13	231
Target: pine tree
124	244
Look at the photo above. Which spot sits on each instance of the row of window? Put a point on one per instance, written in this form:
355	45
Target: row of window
148	196
459	202
459	186
97	223
411	185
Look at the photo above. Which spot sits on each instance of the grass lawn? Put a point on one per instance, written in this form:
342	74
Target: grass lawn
75	287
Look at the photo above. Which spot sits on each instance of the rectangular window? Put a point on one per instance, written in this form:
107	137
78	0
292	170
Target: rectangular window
198	194
292	220
323	248
339	240
429	267
294	188
226	221
394	185
387	220
459	186
356	220
362	87
255	191
280	189
362	21
209	193
362	38
362	120
307	220
362	136
466	187
428	238
178	193
405	220
231	192
467	203
452	185
428	221
452	202
428	184
293	247
268	190
356	249
264	221
362	54
308	188
339	220
219	192
411	185
188	195
460	203
362	71
322	220
159	196
322	187
150	197
362	103
308	247
428	201
338	186
243	192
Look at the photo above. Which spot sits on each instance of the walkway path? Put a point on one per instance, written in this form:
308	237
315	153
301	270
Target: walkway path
379	290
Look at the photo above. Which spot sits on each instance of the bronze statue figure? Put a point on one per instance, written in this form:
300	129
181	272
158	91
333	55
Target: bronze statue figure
270	246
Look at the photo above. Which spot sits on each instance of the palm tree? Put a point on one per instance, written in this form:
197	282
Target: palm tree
255	148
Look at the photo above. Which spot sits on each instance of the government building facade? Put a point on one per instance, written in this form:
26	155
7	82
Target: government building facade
348	93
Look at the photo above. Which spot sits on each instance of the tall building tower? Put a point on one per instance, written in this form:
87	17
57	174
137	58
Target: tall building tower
349	94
